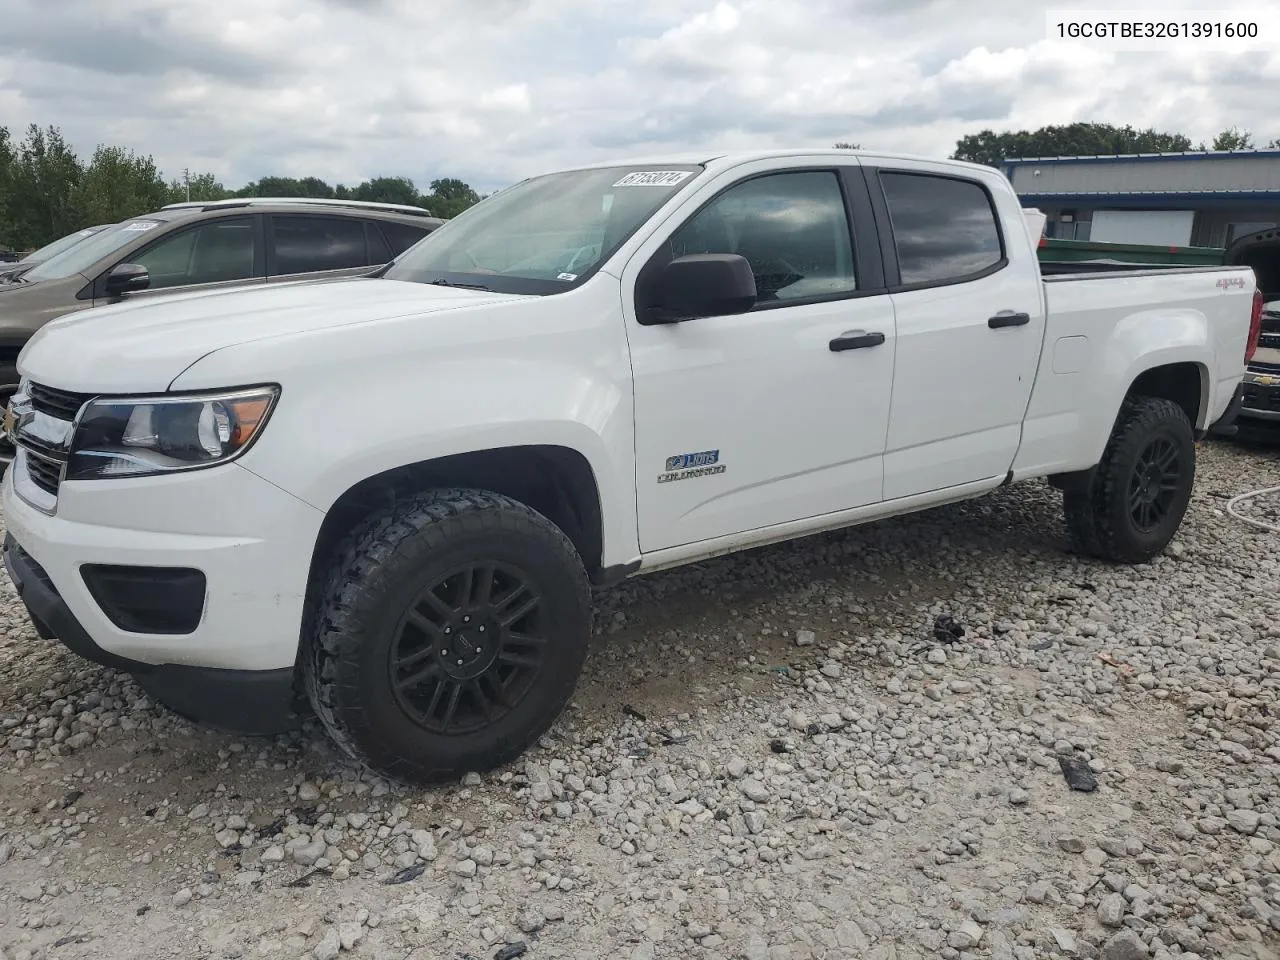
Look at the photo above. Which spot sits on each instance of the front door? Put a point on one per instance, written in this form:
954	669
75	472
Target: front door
779	414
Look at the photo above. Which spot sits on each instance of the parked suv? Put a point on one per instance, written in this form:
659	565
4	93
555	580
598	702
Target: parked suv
187	247
11	271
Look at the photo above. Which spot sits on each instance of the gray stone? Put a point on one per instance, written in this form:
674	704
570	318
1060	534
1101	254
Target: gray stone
349	934
308	793
1071	844
307	854
806	638
967	936
1243	821
1125	945
329	947
1065	939
182	897
530	921
1111	910
754	790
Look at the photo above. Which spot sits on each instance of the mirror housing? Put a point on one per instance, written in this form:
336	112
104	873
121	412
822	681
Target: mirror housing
127	278
701	285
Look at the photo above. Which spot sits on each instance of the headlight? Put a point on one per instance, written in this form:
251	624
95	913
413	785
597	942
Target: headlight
138	436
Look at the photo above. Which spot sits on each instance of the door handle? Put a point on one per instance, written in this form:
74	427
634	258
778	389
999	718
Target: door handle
856	340
1009	320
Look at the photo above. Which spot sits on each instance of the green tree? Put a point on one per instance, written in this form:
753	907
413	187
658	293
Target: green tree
44	180
1233	138
202	186
387	190
118	184
286	187
7	160
1070	140
449	197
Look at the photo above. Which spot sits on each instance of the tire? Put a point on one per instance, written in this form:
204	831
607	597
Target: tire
398	589
1141	487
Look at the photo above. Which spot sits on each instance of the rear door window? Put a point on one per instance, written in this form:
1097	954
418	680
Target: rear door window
311	244
379	251
945	229
401	236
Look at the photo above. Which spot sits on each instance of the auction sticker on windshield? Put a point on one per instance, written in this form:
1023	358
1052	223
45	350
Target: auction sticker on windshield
654	178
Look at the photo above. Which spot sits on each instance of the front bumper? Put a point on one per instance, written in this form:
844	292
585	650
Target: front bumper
245	701
251	541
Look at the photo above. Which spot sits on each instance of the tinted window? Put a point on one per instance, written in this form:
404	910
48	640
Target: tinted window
944	229
791	227
402	236
213	252
379	252
305	244
82	256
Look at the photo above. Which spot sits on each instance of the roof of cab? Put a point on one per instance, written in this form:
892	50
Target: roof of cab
727	159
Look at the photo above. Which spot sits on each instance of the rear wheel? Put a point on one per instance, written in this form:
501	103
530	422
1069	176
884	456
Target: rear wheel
450	633
1141	488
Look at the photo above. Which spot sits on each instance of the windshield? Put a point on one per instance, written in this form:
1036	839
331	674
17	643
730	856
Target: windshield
51	250
542	235
83	255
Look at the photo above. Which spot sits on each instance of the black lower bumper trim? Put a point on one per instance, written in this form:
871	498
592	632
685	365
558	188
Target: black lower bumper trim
242	701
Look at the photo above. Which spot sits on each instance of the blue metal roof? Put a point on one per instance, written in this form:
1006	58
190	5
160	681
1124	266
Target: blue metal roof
1147	157
1199	198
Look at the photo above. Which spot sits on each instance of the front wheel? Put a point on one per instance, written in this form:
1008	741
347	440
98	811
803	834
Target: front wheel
1142	486
449	635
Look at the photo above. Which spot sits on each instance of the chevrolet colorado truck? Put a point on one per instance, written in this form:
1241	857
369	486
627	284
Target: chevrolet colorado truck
386	499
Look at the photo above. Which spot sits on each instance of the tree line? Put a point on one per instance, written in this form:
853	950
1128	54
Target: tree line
47	191
1090	139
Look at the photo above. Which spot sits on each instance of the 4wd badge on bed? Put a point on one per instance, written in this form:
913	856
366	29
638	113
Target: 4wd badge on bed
685	466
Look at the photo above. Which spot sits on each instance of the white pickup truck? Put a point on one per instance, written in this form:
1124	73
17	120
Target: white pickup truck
388	496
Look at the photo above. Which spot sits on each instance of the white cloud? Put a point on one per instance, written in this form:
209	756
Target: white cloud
489	92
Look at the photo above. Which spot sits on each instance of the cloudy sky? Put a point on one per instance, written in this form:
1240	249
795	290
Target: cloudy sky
492	90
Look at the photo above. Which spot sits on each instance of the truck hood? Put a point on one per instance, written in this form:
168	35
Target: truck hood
143	345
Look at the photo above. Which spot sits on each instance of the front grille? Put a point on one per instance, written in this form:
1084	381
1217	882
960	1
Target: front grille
45	473
1269	341
1258	398
1258	367
62	404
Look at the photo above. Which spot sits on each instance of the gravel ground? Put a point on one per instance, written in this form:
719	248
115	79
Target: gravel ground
772	756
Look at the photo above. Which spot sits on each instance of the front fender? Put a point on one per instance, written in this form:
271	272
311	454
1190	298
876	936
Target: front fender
415	389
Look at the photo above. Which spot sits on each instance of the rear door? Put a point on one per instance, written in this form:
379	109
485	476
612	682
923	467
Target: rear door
306	246
970	322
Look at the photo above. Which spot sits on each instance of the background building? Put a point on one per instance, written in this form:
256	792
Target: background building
1180	199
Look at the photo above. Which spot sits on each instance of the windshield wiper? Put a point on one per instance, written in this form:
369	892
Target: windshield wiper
442	282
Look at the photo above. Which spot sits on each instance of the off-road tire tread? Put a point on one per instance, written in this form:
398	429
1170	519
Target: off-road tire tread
400	534
1087	513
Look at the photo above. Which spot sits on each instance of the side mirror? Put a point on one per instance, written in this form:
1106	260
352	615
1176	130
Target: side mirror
701	285
127	278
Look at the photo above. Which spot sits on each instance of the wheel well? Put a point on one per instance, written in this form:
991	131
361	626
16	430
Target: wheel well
555	481
1183	383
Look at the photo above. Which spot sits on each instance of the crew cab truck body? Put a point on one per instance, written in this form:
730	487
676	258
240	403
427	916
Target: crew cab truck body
393	493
